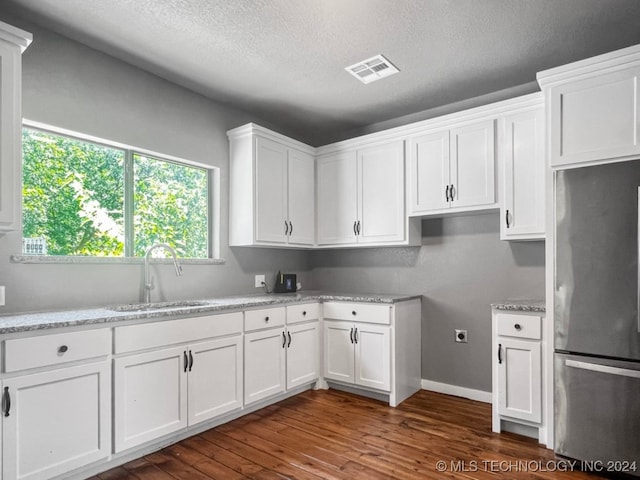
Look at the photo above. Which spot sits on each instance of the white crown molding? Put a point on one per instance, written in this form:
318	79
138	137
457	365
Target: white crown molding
610	62
15	35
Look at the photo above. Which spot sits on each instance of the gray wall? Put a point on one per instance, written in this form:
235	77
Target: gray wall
69	85
460	269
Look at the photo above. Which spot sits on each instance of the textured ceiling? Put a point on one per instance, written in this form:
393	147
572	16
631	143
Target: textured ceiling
283	60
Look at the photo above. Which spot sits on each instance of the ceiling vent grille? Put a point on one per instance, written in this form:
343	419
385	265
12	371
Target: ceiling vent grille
372	69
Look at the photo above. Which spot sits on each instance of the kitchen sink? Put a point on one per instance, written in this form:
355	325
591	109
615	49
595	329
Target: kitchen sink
145	307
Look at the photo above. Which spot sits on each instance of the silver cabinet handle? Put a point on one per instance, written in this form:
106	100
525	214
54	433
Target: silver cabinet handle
594	367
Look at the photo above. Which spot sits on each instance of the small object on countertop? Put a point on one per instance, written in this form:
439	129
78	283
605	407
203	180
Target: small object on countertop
285	283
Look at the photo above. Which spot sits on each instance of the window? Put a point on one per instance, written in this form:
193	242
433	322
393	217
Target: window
94	199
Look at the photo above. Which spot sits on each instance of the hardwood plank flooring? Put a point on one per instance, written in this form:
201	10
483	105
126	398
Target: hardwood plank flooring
336	435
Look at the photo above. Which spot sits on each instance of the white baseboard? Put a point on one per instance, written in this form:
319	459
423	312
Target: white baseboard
457	391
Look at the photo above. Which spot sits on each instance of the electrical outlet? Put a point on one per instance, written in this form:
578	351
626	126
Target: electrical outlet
259	281
1	296
461	336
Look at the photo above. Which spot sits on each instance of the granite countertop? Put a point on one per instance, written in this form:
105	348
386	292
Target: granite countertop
521	305
67	318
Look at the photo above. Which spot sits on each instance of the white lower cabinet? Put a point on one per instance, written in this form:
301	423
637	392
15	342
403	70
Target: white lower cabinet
61	408
519	377
358	353
150	396
164	390
283	357
302	354
215	378
55	421
518	367
373	346
264	364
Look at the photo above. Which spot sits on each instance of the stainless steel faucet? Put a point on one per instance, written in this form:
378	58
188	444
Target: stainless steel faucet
148	283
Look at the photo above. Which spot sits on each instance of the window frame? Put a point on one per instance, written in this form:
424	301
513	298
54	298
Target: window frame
213	201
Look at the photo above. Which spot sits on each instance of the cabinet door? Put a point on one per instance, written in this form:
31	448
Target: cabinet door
339	355
271	191
150	397
264	364
595	118
337	199
302	354
215	378
523	206
473	164
519	379
10	133
381	193
429	172
302	194
373	356
58	421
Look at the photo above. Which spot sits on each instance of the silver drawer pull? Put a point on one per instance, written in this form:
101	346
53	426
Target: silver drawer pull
594	367
62	349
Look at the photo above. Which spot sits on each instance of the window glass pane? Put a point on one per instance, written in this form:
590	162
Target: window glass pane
73	195
170	206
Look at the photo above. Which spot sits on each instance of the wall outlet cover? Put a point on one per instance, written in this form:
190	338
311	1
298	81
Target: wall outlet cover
259	281
461	336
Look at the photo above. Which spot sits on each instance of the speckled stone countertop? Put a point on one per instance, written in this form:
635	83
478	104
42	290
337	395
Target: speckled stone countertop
521	305
67	318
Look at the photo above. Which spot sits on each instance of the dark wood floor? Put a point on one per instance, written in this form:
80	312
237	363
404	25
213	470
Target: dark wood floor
335	435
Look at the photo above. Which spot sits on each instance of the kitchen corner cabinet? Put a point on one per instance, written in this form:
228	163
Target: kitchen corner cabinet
453	169
375	347
361	196
56	417
177	381
13	42
272	192
593	107
517	370
281	350
523	175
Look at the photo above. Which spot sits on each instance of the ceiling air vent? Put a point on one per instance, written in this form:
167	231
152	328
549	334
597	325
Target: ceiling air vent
372	69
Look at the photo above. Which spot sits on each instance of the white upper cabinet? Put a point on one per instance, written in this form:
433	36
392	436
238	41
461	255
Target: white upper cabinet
301	200
381	213
472	167
430	172
523	175
13	42
361	196
337	199
272	189
453	169
592	108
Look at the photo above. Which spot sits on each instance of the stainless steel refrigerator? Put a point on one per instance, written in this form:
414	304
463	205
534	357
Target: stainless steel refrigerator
597	325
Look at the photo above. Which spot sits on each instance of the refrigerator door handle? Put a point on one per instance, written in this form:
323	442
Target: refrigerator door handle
594	367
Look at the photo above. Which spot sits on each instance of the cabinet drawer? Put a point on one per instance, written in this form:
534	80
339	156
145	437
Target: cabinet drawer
358	312
45	350
303	313
522	326
264	318
173	332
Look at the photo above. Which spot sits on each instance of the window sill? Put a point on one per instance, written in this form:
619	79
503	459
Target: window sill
46	259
